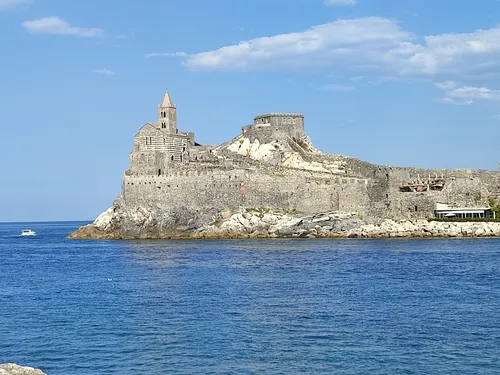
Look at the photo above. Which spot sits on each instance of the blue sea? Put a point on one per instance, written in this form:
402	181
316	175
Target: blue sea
71	307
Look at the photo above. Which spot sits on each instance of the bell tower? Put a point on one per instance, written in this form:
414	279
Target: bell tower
167	115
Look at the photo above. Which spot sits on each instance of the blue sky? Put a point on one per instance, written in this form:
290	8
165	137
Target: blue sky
402	83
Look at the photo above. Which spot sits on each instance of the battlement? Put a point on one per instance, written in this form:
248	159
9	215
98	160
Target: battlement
276	119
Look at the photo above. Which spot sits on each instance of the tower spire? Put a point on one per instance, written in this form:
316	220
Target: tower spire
167	116
167	102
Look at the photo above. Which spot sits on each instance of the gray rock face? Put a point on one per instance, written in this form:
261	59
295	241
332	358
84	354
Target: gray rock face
146	223
174	186
13	369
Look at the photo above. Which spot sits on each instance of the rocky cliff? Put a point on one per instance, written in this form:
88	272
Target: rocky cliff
266	224
177	188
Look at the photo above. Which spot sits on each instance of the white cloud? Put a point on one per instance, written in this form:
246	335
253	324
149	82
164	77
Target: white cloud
56	25
455	94
475	93
5	4
105	72
447	85
371	46
447	100
339	2
166	54
339	88
339	44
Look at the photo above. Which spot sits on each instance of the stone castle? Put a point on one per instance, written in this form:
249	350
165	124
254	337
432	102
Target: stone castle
175	182
273	164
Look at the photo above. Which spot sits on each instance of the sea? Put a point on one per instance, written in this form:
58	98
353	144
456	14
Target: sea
280	306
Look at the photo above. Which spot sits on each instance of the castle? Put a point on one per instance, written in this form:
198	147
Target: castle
272	163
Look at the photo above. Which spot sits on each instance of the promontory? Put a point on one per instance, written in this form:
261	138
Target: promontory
270	181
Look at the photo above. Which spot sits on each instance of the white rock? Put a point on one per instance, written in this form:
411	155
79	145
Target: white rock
103	221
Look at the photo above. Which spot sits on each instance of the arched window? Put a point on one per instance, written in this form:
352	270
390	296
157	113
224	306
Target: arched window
172	157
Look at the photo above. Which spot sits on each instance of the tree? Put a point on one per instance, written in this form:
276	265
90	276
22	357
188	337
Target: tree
494	206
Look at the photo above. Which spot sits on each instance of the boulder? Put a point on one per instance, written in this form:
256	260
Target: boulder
13	369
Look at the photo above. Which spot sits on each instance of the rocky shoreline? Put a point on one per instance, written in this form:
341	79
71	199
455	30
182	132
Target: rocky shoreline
254	223
13	369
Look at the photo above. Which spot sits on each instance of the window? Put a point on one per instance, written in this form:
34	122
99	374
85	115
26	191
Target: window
172	157
416	208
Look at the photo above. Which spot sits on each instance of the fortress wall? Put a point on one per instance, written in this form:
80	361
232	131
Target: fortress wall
462	188
272	133
370	190
230	190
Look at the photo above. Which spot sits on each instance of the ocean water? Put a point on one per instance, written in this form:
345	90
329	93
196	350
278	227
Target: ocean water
248	307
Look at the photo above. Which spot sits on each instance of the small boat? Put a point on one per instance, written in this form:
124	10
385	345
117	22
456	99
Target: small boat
28	232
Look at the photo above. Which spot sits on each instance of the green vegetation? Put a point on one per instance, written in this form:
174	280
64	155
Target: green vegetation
494	205
258	210
294	212
463	220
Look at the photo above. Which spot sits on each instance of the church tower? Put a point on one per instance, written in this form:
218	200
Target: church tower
167	115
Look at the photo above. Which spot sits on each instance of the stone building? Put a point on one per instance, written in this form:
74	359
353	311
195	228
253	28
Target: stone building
274	164
158	145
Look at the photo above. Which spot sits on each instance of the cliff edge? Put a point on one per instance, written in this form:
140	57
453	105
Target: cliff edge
273	177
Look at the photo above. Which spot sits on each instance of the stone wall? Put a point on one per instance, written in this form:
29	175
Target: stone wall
169	170
275	127
219	189
372	191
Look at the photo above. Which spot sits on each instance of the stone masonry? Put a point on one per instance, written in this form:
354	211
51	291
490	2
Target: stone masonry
272	164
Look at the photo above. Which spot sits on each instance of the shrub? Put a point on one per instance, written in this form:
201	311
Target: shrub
463	220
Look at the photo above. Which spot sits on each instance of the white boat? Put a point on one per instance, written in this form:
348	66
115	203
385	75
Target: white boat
28	232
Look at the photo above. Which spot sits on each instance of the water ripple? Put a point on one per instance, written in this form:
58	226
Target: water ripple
248	307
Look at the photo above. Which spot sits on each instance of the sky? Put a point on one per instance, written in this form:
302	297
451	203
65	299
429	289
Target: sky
400	83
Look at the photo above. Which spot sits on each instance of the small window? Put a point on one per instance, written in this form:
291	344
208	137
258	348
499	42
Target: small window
172	157
416	208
